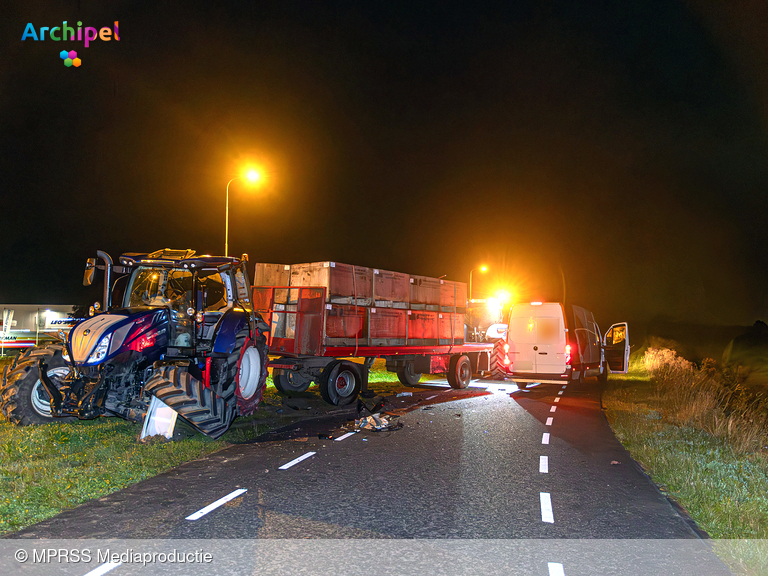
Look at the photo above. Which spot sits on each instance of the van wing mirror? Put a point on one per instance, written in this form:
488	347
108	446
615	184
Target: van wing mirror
616	347
90	271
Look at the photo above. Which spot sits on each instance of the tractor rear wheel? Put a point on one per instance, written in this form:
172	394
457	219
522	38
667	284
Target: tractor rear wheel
190	398
497	361
23	397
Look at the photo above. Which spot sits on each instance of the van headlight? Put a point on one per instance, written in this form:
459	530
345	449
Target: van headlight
101	350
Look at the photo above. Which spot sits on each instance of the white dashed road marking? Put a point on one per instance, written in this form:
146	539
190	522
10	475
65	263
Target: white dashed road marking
553	408
347	435
563	387
214	505
557	399
549	421
559	393
546	508
104	568
543	464
545	438
296	460
555	569
430	398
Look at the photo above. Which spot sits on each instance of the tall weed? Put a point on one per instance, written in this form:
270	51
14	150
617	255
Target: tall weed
709	399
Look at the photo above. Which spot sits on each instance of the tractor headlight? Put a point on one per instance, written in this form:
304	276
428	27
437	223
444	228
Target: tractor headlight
101	350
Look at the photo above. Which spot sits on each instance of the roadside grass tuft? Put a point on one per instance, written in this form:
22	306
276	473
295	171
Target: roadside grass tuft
703	440
45	469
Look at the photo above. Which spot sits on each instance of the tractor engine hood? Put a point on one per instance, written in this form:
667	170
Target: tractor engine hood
100	338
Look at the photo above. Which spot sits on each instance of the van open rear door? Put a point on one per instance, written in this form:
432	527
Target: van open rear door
616	347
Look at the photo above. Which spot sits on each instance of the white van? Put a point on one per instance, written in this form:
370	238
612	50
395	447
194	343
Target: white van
544	344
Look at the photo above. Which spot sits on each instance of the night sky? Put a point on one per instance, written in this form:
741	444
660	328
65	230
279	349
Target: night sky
624	143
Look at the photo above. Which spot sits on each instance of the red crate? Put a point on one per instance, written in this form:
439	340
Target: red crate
453	294
388	324
345	322
446	321
422	326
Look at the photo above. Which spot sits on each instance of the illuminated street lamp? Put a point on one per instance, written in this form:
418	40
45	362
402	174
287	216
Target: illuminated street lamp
253	176
482	269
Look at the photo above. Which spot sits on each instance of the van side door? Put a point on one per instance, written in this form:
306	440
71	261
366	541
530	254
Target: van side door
616	348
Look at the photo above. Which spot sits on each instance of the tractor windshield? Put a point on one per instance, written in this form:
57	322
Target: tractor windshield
160	287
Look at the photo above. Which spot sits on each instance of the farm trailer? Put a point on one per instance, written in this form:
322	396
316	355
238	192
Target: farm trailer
415	323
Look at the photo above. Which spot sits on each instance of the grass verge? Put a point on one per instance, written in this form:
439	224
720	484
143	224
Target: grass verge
702	442
47	469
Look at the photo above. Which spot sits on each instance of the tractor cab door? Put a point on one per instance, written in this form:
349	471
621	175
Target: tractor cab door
616	348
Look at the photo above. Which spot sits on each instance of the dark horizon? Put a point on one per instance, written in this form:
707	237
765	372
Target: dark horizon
625	145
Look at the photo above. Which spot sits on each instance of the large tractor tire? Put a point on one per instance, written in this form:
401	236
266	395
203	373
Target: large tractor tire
497	361
24	398
247	369
407	376
200	406
340	383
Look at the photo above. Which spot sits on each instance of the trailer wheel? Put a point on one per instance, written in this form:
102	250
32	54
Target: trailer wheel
23	396
289	381
340	383
407	376
459	372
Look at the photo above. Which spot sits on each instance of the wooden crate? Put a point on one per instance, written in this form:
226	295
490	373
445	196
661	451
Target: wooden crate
388	326
345	284
453	294
422	327
271	274
450	324
345	325
424	293
391	289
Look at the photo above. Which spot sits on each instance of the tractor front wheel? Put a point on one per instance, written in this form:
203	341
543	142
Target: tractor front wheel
22	394
191	399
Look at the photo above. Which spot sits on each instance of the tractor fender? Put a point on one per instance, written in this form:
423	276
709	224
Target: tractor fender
226	334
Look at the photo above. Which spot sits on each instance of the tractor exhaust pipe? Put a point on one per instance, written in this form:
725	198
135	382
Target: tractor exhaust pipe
107	277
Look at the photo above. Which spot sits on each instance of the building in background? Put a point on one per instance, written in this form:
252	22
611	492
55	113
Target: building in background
27	325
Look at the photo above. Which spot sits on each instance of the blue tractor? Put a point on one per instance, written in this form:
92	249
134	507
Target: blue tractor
182	329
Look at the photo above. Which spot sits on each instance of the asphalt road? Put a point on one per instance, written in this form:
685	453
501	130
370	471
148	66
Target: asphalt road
486	466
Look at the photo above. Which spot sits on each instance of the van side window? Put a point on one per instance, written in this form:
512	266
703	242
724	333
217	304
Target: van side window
619	334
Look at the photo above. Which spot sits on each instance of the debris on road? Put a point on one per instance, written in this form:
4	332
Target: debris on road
401	394
377	423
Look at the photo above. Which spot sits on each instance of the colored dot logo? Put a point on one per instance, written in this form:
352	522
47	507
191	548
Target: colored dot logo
70	58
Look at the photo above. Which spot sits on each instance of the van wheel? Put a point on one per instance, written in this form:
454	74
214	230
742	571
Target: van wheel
602	378
459	372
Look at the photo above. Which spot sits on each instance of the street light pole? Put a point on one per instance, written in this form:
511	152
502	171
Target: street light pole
226	220
482	269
